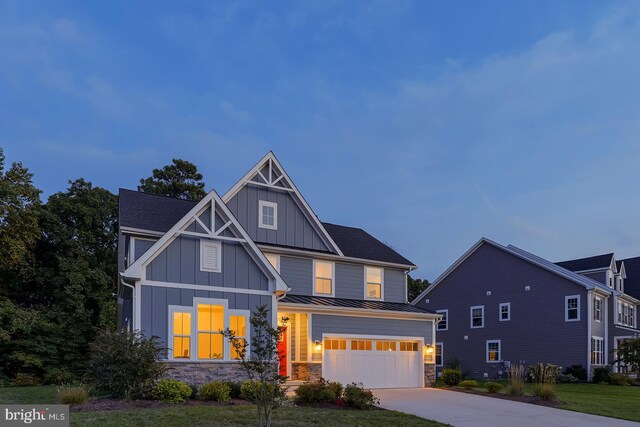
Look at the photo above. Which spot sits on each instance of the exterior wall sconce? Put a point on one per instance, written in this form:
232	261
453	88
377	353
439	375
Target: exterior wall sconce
428	349
317	346
428	353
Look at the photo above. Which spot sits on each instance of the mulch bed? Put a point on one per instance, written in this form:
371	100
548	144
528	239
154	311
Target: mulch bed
107	404
524	399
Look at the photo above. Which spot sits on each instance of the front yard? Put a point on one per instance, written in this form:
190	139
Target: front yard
598	399
204	415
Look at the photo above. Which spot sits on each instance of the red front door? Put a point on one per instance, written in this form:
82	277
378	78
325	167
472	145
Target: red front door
282	352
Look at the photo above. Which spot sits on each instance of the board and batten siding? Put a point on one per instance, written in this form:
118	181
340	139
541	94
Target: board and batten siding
537	331
180	263
349	279
329	324
294	229
155	302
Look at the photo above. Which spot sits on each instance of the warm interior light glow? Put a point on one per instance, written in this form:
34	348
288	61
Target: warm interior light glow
318	346
429	349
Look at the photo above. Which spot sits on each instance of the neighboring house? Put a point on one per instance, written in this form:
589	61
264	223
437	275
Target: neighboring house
503	305
191	269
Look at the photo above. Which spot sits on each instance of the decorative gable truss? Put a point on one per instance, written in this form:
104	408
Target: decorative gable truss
269	173
212	220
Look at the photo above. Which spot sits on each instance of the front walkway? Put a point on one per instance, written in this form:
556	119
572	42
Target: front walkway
463	409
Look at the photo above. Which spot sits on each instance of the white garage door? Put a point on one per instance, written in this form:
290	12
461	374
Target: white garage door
374	363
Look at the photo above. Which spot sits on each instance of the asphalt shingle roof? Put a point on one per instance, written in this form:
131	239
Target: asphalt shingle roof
352	303
589	263
632	282
157	213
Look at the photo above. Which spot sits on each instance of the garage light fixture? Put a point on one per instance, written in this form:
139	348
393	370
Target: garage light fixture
318	346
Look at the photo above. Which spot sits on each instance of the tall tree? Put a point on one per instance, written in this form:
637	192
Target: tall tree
415	287
19	231
180	180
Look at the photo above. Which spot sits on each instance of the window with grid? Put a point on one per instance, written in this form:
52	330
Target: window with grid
374	282
477	317
438	354
572	308
268	215
493	351
597	309
181	335
408	346
238	326
360	345
597	351
335	344
505	311
210	326
442	325
324	278
385	346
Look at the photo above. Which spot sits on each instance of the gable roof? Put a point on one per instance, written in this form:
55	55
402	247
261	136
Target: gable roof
357	243
632	282
278	178
212	200
522	254
597	262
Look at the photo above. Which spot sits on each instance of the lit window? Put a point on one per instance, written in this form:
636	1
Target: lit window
505	311
385	346
360	345
374	282
181	335
572	308
477	316
443	325
408	346
274	260
268	215
210	326
324	278
597	351
493	351
335	344
238	326
439	354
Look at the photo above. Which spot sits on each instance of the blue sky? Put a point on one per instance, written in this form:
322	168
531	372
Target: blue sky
429	124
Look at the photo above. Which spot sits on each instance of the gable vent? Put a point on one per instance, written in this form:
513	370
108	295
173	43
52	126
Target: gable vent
210	256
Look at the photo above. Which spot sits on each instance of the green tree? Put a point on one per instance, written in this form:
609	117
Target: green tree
180	180
19	231
628	354
415	287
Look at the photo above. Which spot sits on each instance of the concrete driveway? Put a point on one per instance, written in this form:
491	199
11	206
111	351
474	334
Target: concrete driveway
463	409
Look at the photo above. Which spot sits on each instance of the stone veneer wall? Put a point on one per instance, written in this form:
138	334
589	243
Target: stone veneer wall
303	371
202	373
429	375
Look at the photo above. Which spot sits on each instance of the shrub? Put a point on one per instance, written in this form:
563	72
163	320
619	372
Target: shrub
618	379
545	391
601	375
468	384
26	380
252	390
215	390
516	380
194	391
577	371
171	391
317	392
544	374
58	376
125	364
356	396
452	364
567	378
72	395
451	377
234	389
492	386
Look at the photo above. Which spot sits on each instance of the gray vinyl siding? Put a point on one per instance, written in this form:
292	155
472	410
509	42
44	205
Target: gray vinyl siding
155	302
297	274
537	331
327	324
349	281
598	276
394	285
294	229
180	263
598	328
141	246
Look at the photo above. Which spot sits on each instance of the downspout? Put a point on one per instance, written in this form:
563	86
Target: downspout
133	301
588	318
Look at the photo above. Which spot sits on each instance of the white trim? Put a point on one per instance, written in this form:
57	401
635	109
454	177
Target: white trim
355	312
277	258
333	279
599	311
309	338
203	287
504	304
262	204
170	335
446	312
471	316
271	159
435	354
139	231
588	328
606	331
137	314
595	339
499	351
297	337
358	336
381	283
247	325
204	245
566	308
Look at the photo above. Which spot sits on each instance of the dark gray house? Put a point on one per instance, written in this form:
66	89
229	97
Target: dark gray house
502	305
189	269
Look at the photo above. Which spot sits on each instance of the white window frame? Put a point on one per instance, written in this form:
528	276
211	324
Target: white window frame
566	308
597	354
499	351
471	317
446	313
333	279
508	305
277	257
435	354
274	205
192	346
381	283
247	337
597	309
218	246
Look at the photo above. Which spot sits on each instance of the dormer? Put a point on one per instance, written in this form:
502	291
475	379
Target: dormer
620	276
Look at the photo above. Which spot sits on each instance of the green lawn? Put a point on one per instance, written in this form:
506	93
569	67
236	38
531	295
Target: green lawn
597	399
213	415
